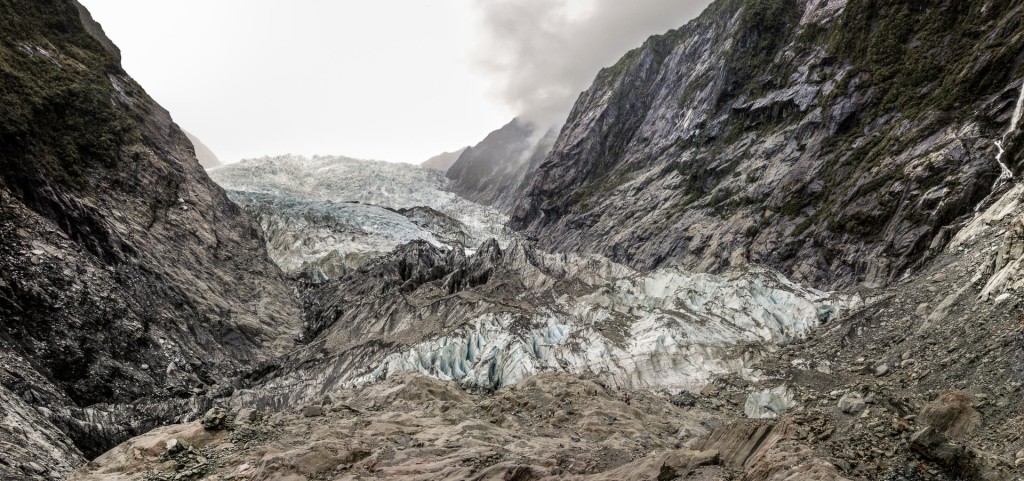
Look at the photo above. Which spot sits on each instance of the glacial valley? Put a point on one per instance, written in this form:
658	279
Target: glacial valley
784	241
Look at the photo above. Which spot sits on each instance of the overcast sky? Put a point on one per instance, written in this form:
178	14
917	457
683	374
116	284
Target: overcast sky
396	80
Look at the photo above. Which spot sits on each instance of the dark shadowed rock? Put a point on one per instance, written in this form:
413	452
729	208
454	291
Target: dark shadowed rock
495	171
443	161
116	249
765	132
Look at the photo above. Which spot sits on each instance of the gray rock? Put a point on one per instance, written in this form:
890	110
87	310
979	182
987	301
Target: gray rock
673	125
246	416
679	463
935	446
852	403
769	403
34	468
951	414
133	266
175	446
312	411
215	419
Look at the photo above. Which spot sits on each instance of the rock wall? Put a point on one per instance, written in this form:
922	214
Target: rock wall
126	274
841	142
494	172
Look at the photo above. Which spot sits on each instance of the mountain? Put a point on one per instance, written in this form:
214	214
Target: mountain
443	161
326	214
782	242
842	142
493	171
130	286
206	156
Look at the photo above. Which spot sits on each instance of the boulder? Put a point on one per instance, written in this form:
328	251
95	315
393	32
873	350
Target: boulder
852	403
933	445
246	416
312	411
679	463
215	419
769	403
951	414
175	446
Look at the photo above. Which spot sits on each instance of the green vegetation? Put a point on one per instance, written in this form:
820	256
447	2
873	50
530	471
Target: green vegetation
924	62
922	65
921	54
764	28
58	120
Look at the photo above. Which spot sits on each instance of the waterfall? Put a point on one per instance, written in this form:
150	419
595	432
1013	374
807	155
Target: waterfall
1016	112
1007	174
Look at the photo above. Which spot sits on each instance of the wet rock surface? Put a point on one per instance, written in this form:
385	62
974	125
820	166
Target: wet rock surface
767	132
135	295
496	171
117	252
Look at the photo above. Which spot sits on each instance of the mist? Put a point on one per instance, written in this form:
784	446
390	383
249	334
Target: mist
543	53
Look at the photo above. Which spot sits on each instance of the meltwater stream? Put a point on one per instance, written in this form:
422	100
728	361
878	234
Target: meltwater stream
1007	174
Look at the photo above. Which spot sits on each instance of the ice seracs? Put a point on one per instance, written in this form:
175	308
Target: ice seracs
324	214
491	319
669	329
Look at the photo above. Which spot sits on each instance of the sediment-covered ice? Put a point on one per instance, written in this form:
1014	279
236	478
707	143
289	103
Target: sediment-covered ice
668	329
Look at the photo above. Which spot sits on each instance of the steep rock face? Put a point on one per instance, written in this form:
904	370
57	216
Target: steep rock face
126	275
443	161
206	157
839	141
493	171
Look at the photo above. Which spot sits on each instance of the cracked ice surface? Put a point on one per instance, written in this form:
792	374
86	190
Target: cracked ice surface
324	214
668	329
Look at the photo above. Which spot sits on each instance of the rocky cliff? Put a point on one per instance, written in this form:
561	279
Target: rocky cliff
850	144
840	141
494	171
130	286
443	161
204	155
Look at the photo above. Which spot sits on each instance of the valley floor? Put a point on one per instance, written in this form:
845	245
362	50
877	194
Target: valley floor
920	382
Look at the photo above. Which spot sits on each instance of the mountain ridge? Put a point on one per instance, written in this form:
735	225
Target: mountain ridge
493	171
748	160
631	330
444	160
126	274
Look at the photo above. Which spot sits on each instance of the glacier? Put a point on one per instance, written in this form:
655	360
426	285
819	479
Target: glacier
407	281
669	329
326	214
529	311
